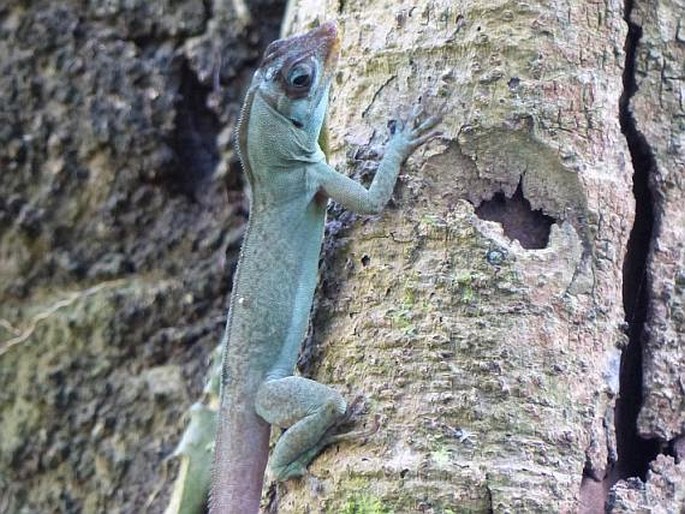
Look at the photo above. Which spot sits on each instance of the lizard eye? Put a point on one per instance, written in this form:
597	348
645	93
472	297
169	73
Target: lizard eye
301	76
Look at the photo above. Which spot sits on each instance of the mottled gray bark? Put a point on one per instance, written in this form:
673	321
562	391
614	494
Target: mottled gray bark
658	108
493	363
115	158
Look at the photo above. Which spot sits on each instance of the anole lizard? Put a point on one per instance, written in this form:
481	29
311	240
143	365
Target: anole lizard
274	283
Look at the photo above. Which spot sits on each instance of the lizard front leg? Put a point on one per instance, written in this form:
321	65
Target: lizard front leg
307	409
406	136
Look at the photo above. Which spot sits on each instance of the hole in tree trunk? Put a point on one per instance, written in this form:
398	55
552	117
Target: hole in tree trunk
530	227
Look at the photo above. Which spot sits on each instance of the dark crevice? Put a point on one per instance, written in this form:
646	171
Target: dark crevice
195	134
209	10
634	452
676	448
518	220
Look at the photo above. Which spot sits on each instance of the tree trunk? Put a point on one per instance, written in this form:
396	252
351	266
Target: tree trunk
651	432
483	317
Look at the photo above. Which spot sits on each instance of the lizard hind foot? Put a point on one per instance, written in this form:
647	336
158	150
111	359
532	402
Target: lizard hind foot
295	469
342	429
339	431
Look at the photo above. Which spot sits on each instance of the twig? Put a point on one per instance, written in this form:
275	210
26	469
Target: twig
22	336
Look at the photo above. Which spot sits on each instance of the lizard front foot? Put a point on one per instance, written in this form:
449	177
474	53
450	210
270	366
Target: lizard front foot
410	133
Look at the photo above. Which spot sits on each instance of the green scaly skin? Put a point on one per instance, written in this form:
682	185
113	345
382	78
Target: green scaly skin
277	271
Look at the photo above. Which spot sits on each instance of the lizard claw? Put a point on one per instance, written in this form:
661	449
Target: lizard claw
412	132
354	411
408	135
429	123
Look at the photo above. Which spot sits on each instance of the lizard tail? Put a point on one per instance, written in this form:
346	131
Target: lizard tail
237	481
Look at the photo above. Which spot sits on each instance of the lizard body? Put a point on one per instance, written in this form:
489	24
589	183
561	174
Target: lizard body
274	283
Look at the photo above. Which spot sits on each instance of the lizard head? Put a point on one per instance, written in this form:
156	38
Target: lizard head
295	75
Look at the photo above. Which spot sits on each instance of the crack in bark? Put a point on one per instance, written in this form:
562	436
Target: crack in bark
634	453
195	135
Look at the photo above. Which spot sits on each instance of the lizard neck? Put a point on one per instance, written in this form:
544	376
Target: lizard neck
271	142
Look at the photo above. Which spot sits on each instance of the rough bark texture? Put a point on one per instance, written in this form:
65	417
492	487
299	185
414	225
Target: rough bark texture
658	108
481	317
114	224
493	363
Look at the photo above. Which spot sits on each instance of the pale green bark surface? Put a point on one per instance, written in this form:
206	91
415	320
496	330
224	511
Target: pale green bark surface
493	367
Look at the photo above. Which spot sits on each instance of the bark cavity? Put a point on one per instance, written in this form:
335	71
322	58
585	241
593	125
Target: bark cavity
518	219
516	179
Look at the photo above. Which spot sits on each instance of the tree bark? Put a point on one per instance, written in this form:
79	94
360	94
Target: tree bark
115	164
483	317
658	110
652	117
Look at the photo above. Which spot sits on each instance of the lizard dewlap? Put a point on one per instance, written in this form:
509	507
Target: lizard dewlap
290	184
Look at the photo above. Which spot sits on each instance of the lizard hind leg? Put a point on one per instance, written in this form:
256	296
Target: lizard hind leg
308	410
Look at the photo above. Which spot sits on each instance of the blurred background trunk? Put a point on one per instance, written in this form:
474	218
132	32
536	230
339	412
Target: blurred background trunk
482	316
